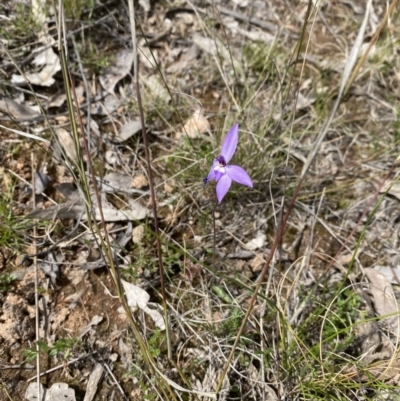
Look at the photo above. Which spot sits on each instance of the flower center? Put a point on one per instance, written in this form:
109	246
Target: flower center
221	161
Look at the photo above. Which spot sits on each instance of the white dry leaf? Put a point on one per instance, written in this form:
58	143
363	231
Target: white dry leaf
111	157
110	213
157	89
305	101
156	317
57	392
17	110
120	69
136	296
94	322
186	61
391	273
140	210
58	101
38	11
383	297
31	392
51	65
123	183
212	46
129	129
125	351
256	36
195	126
46	58
241	3
60	392
139	298
257	242
116	182
109	104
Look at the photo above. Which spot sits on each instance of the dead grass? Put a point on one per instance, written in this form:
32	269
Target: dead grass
318	329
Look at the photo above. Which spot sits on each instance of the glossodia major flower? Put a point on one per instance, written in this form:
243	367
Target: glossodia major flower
224	173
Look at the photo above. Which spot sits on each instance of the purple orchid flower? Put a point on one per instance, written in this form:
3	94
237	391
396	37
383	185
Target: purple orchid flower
224	173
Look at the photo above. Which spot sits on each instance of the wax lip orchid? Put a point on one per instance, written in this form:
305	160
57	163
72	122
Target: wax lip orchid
224	173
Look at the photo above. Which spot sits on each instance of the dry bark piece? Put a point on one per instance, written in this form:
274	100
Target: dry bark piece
93	382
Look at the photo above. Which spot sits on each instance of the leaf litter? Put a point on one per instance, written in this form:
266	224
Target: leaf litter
79	303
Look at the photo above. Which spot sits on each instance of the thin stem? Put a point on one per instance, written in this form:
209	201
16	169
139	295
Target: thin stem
150	176
36	279
215	234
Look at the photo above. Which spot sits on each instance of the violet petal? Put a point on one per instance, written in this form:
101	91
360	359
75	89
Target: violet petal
223	187
229	145
211	174
237	174
218	175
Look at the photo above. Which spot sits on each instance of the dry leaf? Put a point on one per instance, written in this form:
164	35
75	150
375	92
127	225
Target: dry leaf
67	143
51	65
383	298
137	234
139	298
120	69
140	181
57	392
129	129
157	89
392	188
257	242
17	110
257	263
196	125
391	273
